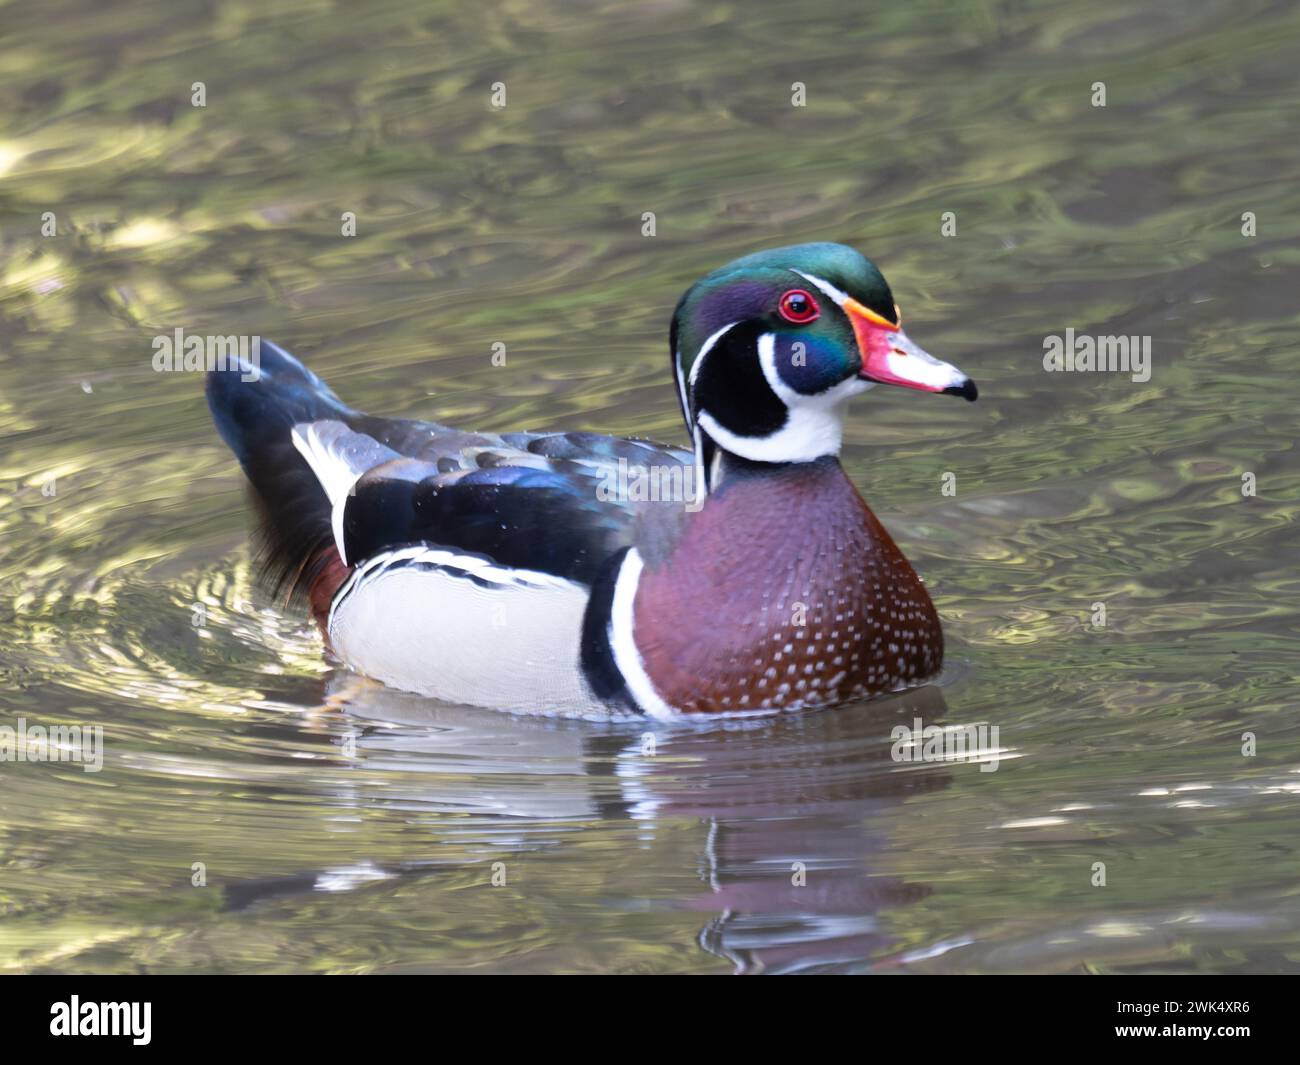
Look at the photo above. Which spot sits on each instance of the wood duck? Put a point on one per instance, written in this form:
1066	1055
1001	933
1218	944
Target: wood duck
589	575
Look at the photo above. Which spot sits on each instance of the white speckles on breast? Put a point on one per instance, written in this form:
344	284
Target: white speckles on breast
862	610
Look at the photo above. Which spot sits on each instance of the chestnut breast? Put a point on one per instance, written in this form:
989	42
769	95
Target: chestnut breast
784	591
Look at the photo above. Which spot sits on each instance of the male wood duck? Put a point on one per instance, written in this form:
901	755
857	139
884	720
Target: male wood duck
546	572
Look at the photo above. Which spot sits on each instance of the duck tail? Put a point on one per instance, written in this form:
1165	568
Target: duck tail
255	404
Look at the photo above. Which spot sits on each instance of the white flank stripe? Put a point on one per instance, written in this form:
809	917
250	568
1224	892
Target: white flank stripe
622	641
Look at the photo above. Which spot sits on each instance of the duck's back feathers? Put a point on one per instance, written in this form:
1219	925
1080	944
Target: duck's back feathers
329	479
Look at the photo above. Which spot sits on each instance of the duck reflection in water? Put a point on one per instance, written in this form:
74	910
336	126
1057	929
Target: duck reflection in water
792	810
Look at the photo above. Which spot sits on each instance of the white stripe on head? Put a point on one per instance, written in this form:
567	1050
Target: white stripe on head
684	387
838	295
706	348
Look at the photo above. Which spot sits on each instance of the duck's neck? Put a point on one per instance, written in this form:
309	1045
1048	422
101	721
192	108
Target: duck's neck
783	590
727	464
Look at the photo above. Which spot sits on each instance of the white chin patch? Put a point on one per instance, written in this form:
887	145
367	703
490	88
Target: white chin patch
814	425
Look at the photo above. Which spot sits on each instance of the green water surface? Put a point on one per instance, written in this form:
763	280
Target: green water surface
343	828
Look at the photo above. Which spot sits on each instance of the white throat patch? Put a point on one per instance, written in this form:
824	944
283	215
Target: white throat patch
814	425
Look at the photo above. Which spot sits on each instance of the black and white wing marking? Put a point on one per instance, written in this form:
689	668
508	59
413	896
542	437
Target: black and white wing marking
339	457
532	501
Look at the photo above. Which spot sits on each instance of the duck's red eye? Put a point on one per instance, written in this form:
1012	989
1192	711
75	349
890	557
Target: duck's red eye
799	307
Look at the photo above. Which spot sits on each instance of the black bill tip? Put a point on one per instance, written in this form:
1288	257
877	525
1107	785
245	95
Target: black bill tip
966	388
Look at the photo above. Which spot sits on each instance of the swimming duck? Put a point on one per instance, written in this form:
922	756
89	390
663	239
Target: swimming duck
588	575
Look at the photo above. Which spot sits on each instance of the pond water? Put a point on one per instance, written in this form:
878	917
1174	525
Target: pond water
341	827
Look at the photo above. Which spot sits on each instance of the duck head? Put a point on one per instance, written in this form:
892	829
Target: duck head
768	350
